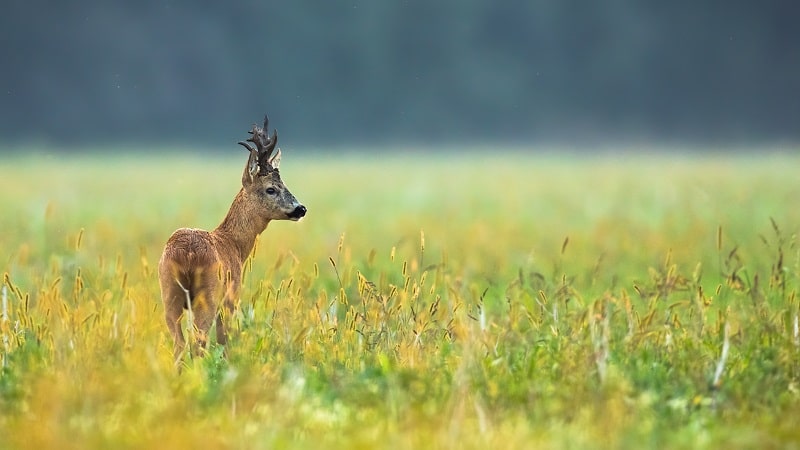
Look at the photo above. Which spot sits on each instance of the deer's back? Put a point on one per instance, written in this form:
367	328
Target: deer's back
190	247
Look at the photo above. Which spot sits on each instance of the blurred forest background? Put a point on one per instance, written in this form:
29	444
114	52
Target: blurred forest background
361	72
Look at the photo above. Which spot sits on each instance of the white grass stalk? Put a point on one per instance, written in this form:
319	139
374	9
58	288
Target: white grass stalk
796	331
189	314
5	304
5	319
555	313
251	313
483	422
333	311
114	326
604	342
726	344
599	333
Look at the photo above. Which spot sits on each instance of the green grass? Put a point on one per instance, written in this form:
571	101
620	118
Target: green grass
495	301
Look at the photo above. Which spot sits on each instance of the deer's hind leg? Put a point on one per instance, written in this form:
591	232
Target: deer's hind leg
205	305
174	298
226	313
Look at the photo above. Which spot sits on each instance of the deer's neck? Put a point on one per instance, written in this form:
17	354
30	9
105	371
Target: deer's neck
240	227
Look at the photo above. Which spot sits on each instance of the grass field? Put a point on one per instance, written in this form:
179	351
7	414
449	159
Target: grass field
479	301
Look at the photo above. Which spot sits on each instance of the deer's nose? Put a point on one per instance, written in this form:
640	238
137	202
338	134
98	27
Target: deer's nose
298	212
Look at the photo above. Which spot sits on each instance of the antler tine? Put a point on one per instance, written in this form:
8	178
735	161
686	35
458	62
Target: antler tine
265	144
266	153
259	137
273	141
247	146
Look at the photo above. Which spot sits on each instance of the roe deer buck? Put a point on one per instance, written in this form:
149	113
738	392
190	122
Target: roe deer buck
201	271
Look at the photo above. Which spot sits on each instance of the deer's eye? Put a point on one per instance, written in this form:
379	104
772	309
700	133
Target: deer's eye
271	191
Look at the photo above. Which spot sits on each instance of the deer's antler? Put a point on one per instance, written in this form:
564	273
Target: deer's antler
265	144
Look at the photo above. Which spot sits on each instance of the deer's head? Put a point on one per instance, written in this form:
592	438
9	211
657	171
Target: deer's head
262	181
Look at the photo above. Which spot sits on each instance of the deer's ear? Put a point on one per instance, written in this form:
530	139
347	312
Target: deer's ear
275	160
251	169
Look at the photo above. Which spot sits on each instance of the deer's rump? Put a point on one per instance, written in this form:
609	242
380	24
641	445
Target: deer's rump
191	263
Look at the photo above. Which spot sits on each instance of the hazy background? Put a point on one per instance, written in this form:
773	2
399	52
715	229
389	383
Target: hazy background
359	72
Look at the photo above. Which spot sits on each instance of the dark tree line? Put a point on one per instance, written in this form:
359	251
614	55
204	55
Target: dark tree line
359	71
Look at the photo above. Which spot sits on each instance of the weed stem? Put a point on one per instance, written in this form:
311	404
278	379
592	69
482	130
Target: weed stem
726	343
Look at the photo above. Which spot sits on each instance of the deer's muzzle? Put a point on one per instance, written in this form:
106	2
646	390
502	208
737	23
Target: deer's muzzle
298	213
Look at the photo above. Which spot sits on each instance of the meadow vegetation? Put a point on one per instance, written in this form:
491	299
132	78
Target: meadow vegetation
479	301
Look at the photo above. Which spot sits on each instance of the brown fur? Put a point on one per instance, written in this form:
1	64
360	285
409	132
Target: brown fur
202	270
